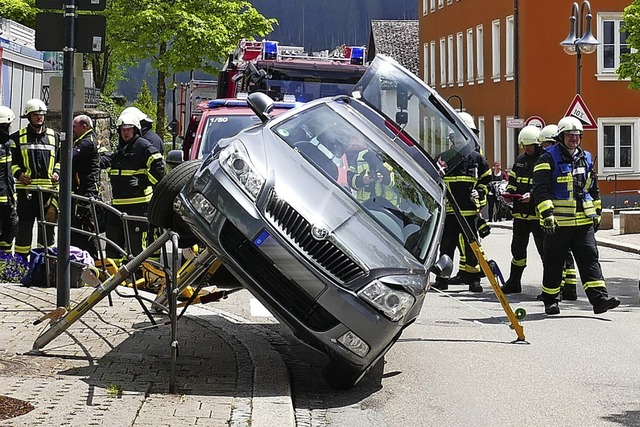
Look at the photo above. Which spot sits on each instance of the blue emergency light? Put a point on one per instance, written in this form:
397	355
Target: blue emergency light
270	50
357	55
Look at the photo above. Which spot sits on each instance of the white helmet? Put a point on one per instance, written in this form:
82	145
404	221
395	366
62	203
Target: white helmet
570	124
6	115
529	135
142	117
128	120
548	133
34	106
467	120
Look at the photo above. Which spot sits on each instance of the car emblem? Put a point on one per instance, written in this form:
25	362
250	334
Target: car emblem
318	232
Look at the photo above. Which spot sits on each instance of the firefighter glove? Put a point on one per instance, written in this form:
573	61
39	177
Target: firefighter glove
596	222
549	224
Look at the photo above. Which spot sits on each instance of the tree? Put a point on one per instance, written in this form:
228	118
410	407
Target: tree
177	36
144	101
630	62
21	11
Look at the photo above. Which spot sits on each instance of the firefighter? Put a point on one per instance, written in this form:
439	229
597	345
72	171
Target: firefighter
565	188
467	182
373	178
136	166
525	219
8	213
569	275
85	180
35	162
146	124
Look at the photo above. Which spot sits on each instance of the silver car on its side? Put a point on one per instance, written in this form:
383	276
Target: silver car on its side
331	214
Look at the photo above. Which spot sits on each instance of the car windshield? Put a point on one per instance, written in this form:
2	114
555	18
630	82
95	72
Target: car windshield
417	110
223	126
372	177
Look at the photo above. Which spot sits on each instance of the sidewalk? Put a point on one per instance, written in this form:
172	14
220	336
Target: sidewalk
112	367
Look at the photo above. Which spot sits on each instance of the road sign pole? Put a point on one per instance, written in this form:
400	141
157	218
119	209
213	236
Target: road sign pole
64	221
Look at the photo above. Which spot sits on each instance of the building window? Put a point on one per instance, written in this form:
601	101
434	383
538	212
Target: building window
460	58
618	144
450	53
511	156
482	134
470	49
495	50
440	4
480	53
425	62
509	47
432	5
613	43
497	138
432	61
425	6
443	62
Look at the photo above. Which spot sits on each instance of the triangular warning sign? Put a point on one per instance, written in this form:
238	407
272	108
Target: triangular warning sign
579	110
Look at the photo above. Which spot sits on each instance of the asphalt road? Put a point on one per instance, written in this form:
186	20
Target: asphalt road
457	365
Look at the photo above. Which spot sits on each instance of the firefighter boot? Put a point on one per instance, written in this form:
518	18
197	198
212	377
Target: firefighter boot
513	285
458	279
473	280
551	308
606	304
440	284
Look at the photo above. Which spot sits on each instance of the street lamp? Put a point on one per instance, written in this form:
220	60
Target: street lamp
580	39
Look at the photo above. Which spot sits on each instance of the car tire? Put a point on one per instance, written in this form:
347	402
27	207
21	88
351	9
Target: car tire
160	210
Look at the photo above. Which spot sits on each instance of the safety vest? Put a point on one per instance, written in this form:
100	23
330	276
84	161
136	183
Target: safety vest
35	154
565	181
7	184
136	167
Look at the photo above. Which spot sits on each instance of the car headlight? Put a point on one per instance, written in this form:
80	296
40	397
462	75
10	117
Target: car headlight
235	161
203	207
393	303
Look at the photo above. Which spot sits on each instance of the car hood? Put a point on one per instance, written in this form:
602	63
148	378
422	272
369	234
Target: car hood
324	205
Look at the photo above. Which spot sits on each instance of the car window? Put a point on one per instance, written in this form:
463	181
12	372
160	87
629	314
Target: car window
372	177
218	127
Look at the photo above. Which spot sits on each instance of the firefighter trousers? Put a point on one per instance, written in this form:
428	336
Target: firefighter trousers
450	240
29	210
522	228
129	235
582	243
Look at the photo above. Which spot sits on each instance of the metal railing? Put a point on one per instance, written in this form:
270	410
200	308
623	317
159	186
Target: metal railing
614	177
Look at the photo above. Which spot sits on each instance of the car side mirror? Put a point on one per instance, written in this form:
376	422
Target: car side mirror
443	267
174	158
261	105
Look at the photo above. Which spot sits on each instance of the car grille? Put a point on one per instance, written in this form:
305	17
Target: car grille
325	254
273	284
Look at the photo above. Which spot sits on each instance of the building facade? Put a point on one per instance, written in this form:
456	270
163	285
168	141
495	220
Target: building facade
501	61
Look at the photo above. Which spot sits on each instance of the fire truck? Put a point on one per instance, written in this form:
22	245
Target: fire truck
285	73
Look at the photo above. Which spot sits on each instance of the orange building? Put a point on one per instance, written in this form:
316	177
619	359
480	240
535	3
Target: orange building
501	61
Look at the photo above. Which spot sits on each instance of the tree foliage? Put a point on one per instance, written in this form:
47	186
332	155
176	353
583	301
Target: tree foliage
21	11
144	101
630	62
177	36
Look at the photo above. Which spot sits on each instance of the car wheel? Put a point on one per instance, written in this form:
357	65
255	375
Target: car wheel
160	210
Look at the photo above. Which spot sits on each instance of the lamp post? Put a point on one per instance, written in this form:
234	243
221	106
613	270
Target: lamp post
580	39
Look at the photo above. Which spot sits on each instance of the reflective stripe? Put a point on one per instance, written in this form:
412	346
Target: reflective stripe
131	201
519	262
127	172
542	167
594	284
551	291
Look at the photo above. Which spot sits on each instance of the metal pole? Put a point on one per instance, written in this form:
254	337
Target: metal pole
579	69
63	277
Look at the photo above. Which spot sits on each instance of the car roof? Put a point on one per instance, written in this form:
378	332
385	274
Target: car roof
237	106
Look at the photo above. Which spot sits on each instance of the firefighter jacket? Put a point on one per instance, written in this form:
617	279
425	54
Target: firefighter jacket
35	154
86	165
521	182
566	186
136	166
472	173
7	183
368	163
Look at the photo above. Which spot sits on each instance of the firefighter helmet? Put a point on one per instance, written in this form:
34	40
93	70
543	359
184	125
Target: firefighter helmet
128	120
142	117
34	106
529	135
548	133
570	124
467	120
6	115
